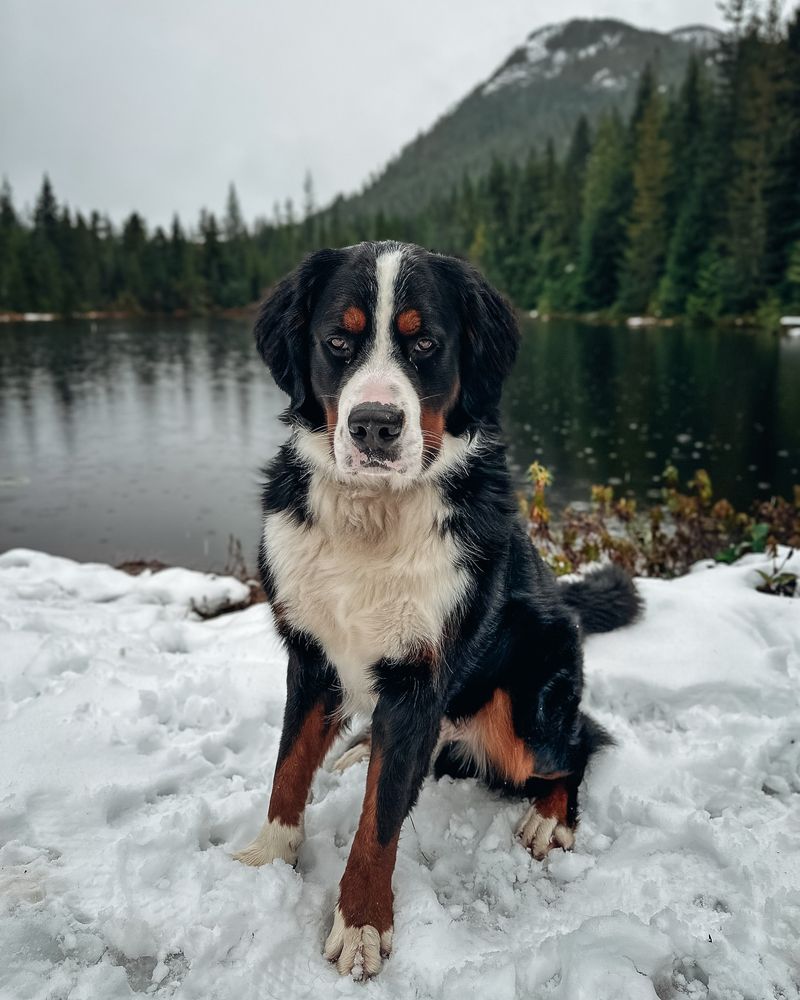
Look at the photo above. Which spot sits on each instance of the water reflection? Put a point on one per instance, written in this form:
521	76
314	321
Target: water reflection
599	404
124	440
127	439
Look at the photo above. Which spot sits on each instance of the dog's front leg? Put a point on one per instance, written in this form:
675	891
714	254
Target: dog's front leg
310	724
405	726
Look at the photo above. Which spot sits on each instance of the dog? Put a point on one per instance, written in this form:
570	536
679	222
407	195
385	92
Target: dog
400	575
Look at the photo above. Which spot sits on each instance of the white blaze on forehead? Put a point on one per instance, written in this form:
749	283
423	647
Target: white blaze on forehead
387	268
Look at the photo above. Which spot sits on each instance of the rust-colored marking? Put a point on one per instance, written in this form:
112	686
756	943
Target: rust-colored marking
331	418
294	774
492	727
555	804
409	322
280	614
354	320
431	423
427	655
365	892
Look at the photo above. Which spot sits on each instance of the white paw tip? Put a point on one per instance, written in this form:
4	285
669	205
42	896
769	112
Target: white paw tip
275	841
357	951
539	834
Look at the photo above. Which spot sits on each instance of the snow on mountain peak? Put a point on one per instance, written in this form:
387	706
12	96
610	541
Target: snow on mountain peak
699	35
540	58
551	50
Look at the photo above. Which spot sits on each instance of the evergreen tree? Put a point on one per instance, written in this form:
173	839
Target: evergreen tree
42	265
233	225
499	209
45	215
783	185
132	291
234	266
695	176
184	280
559	246
647	230
13	293
606	200
749	74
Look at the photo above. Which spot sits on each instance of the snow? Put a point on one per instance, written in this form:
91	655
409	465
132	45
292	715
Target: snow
137	750
521	72
607	41
698	35
540	61
604	79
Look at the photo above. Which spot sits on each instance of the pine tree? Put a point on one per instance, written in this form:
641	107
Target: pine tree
45	215
42	265
783	185
133	292
647	229
13	293
749	73
233	225
499	208
310	224
606	197
792	293
694	177
211	259
233	276
559	245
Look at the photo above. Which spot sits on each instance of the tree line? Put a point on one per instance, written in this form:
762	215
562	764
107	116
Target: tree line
691	207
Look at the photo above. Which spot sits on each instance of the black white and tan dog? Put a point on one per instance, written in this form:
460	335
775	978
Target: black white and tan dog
400	575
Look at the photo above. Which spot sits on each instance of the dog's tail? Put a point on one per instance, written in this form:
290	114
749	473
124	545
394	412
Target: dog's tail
604	599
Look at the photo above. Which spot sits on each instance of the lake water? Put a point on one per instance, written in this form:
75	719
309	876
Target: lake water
143	438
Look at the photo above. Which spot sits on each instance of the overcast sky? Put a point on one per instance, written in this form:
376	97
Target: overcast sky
157	105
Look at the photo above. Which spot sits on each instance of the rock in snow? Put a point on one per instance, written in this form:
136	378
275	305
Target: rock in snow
136	752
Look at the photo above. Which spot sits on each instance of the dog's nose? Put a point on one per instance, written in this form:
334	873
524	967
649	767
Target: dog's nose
375	427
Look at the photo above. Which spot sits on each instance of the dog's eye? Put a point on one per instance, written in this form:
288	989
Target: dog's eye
338	345
424	345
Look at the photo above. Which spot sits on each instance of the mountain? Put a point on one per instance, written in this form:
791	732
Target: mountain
538	93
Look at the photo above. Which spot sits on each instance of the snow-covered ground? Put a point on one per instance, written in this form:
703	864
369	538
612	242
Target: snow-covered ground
136	752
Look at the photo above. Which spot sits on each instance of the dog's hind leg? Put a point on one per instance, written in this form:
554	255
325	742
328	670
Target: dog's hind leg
552	818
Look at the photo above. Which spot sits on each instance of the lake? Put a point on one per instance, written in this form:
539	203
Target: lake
127	439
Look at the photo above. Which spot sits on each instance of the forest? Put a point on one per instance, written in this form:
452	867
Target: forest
689	208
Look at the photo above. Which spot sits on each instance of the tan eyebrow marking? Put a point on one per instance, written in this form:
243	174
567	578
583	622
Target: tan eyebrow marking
354	320
409	321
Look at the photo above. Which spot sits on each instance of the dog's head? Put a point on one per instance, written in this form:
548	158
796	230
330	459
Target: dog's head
386	351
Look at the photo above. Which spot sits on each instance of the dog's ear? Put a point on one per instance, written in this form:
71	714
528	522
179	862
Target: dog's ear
282	330
489	337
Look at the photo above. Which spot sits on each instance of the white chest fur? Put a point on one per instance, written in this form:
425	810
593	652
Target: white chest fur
373	577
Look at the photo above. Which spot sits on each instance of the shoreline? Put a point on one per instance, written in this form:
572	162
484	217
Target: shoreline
787	326
235	312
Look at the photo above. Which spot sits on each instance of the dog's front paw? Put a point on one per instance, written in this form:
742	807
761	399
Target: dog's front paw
276	840
357	951
540	834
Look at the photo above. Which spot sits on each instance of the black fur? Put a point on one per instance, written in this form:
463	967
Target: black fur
490	339
281	332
